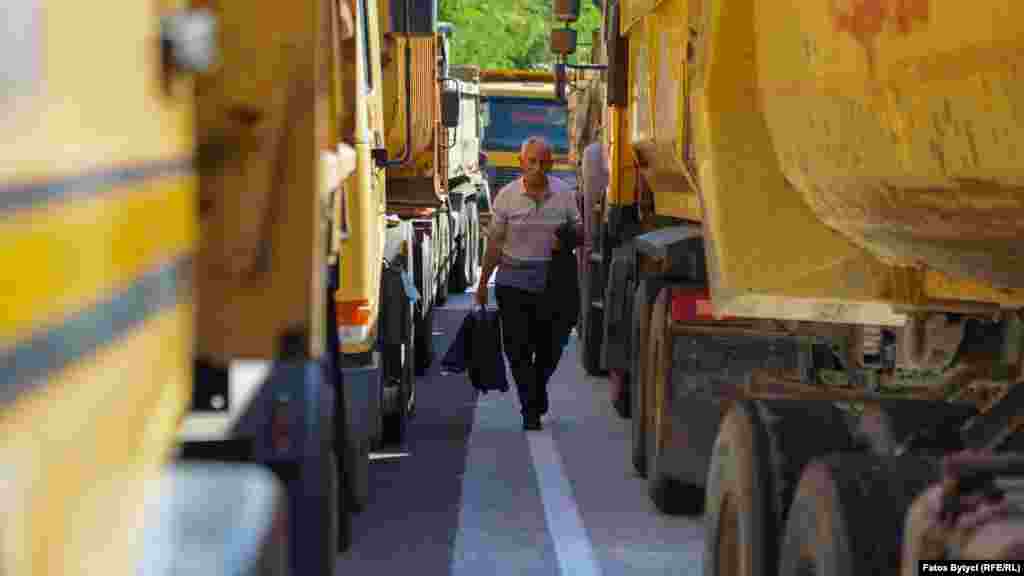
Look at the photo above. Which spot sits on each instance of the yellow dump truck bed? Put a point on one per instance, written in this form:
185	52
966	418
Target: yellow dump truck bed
843	166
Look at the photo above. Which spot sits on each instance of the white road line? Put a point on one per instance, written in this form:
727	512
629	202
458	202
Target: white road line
483	514
572	545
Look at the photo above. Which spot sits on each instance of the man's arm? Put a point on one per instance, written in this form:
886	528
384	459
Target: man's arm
495	240
492	255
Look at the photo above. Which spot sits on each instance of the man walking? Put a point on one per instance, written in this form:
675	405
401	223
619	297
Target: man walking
527	213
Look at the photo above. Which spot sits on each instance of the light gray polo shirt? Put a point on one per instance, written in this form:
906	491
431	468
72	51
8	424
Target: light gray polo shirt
527	231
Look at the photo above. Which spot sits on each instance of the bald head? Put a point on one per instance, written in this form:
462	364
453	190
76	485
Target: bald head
537	143
535	160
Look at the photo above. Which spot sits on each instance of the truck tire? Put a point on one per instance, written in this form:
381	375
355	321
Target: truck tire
464	265
643	304
841	495
339	524
761	448
442	289
424	341
357	473
353	468
621	393
356	459
738	500
922	427
457	275
396	422
410	364
591	323
641	325
473	244
670	495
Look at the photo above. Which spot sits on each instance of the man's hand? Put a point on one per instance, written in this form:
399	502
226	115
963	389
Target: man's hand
481	293
569	228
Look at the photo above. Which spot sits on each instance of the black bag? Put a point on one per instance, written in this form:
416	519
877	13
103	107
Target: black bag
477	348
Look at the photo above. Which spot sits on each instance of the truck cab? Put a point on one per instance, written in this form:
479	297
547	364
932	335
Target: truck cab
518	104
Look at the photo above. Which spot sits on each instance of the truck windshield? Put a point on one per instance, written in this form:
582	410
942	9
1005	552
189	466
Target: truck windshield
510	121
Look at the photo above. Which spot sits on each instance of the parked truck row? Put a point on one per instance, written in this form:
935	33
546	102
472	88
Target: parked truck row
803	277
224	244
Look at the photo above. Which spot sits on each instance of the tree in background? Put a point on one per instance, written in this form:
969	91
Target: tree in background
511	33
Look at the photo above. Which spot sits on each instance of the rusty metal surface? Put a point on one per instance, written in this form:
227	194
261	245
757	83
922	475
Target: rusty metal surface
900	125
427	162
658	46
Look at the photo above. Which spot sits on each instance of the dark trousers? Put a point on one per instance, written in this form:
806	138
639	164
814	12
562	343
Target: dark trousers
531	345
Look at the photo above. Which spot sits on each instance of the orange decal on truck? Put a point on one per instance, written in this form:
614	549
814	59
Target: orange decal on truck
865	19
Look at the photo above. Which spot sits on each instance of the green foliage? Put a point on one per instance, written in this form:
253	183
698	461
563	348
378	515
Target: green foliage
512	33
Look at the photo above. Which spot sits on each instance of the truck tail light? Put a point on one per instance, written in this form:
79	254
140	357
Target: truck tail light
692	304
353	312
353	319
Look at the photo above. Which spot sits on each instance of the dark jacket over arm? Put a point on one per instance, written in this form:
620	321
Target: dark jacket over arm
562	292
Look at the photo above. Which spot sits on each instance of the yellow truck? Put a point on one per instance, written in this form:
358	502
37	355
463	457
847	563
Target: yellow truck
806	256
134	276
186	227
518	104
405	225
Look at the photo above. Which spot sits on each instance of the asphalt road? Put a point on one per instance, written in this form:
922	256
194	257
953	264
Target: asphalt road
474	494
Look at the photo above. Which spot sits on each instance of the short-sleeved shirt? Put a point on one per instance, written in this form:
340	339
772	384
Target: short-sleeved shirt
526	230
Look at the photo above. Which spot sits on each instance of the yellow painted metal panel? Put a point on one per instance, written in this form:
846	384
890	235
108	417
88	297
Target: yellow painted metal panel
622	172
633	11
425	111
642	69
506	158
938	286
802	122
100	88
545	90
660	109
76	453
677	205
361	252
928	169
261	248
764	244
78	443
60	258
492	76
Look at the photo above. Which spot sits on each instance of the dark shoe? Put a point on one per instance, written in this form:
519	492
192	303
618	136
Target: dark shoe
531	423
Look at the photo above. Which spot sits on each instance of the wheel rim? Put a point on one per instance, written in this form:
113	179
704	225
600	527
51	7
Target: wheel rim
728	547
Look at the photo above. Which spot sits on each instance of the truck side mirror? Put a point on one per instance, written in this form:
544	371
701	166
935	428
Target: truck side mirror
563	41
566	10
618	60
451	100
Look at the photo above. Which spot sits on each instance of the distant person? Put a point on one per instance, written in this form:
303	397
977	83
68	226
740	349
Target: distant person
594	168
528	213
